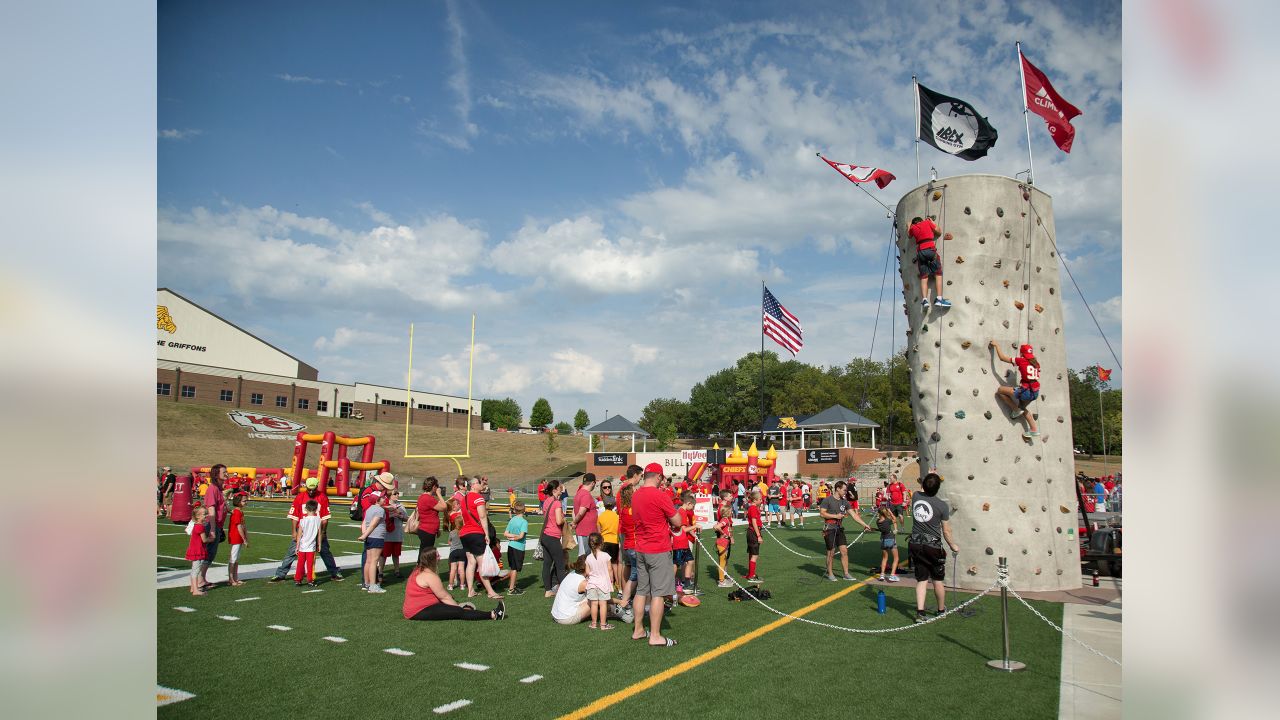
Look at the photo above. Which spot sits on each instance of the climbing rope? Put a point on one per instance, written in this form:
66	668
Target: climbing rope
803	555
936	436
866	385
1077	286
860	631
1054	625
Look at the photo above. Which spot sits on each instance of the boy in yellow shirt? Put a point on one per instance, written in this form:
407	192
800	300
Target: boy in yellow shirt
607	526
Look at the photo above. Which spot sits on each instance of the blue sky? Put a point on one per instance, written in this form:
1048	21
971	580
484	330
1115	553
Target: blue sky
603	184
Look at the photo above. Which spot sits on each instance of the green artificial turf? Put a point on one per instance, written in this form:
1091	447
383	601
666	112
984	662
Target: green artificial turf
241	666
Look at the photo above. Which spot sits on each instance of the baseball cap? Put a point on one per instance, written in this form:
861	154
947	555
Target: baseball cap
654	468
312	483
1027	351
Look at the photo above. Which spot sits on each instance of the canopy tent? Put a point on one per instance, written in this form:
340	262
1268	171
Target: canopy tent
619	426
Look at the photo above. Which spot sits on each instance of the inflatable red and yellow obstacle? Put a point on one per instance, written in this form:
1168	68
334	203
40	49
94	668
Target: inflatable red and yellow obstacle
342	484
749	468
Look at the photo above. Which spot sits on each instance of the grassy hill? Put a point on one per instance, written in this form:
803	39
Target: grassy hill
198	435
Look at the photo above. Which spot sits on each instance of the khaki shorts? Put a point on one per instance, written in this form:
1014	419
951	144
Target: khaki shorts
654	575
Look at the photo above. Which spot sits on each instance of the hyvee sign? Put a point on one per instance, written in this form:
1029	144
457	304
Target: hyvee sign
266	427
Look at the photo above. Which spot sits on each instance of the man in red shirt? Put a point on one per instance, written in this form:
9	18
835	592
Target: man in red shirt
897	495
655	517
311	491
797	503
926	234
585	513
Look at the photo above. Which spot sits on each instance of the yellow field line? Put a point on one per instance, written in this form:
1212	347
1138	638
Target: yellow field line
658	678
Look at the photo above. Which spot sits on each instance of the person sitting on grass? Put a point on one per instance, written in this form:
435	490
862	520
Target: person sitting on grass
571	605
1020	398
516	531
425	598
196	552
928	264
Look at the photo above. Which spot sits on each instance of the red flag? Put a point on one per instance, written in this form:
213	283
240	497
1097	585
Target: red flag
1044	101
1103	375
861	174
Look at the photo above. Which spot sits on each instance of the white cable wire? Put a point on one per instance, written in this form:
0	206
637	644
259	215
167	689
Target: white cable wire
1053	625
879	631
811	557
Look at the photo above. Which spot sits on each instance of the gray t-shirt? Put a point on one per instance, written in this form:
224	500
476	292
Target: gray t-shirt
927	514
455	542
834	506
376	512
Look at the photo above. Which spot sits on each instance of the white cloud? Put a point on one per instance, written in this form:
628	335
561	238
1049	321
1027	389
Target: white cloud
175	134
510	379
300	79
344	337
576	252
572	371
400	99
643	354
460	83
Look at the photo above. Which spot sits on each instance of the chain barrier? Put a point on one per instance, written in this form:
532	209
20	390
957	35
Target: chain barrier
860	631
1054	625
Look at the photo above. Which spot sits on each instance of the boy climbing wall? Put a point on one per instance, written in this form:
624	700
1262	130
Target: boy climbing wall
1020	398
926	234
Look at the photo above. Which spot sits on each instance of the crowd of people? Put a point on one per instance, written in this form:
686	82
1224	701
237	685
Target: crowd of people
1104	493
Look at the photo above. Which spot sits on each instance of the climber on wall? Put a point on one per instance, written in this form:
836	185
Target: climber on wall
1020	398
926	234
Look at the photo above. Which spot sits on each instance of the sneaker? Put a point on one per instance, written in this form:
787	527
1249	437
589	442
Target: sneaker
312	584
893	578
337	577
500	611
297	583
849	577
941	302
273	579
881	577
517	591
924	304
726	583
1030	434
376	589
1016	414
755	580
940	612
921	616
363	586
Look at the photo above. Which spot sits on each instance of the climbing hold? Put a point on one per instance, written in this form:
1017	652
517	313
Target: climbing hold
1000	212
1050	291
997	302
1037	529
1026	195
1057	330
937	343
948	456
1006	324
935	437
959	259
1006	233
1063	509
1017	265
997	263
1000	437
1059	571
948	391
966	345
982	282
1052	253
985	459
1017	459
948	282
1059	376
982	240
973	569
1037	219
975	392
947	236
937	194
984	370
970	435
1004	481
959	414
1043	508
960	369
1038	458
1010	531
986	507
925	367
1037	268
989	551
1028	481
1031	325
908	331
950	324
1039	308
1037	571
1024	214
1022	507
966	299
924	328
967	211
986	414
1018	304
921	396
1006	283
983	322
1026	286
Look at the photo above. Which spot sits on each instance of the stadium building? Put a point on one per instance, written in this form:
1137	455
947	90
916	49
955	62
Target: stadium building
202	358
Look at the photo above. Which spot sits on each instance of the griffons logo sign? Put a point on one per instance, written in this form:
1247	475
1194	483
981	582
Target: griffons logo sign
164	321
266	427
787	423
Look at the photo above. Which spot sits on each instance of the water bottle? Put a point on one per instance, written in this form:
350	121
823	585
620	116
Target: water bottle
880	603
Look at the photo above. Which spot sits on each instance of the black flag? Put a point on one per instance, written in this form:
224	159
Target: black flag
953	126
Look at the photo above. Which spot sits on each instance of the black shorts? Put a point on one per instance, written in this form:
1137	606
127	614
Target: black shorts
834	537
897	511
459	556
473	544
928	263
612	550
930	562
753	544
515	559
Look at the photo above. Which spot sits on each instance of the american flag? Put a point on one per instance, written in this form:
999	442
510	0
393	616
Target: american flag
781	325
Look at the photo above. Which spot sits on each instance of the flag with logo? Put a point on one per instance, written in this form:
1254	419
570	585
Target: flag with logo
953	125
861	173
781	325
1044	101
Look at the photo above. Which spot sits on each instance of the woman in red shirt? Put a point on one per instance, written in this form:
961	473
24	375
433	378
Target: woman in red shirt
426	599
430	503
553	560
627	529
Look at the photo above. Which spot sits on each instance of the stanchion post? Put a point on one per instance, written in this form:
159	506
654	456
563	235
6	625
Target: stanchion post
1005	664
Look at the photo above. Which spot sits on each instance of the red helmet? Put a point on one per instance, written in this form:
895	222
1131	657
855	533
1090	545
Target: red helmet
1027	351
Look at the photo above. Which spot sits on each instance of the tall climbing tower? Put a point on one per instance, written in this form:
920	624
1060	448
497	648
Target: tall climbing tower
1010	496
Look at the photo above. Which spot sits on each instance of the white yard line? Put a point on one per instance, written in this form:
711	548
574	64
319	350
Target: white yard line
450	707
531	679
247	599
333	639
471	666
168	696
228	617
182	608
171	557
308	592
398	651
281	628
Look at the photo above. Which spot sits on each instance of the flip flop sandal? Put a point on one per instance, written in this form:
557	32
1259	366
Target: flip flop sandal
670	643
644	637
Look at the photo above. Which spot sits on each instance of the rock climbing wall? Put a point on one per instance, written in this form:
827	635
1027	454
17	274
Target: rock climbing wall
1009	496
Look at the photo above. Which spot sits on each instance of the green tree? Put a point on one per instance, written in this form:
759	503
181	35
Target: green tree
714	406
665	432
596	442
552	444
564	428
581	420
661	411
1086	421
505	413
541	415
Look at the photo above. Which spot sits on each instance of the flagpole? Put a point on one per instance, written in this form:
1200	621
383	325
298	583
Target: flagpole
1102	426
1026	116
915	84
763	289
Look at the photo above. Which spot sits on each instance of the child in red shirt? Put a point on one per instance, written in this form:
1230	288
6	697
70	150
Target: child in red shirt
196	553
928	263
681	550
238	538
724	535
753	537
1020	398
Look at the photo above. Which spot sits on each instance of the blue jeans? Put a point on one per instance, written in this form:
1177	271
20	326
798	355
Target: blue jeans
325	555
